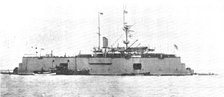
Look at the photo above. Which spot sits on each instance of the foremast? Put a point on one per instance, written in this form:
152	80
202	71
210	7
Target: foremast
99	14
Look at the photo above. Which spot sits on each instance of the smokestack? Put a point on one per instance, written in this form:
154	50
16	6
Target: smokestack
105	42
51	53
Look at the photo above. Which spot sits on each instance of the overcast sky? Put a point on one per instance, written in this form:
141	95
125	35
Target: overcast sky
68	26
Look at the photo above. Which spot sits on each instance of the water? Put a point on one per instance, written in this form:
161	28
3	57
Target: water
111	86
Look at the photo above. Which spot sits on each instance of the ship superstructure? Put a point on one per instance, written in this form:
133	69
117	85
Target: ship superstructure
128	60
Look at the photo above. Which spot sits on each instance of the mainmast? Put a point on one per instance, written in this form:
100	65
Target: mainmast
126	29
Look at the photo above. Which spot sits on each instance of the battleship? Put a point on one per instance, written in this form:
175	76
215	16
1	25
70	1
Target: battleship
105	60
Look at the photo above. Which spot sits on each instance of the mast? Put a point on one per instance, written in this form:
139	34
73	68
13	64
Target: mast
126	29
99	13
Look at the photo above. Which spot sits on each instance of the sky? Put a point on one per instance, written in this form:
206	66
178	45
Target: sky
70	26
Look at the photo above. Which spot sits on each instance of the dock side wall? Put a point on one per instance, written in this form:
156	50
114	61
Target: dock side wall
30	64
105	65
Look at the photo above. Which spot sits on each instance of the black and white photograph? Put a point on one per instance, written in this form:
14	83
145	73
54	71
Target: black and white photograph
112	48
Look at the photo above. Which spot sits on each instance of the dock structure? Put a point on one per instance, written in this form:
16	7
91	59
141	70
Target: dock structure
114	65
107	60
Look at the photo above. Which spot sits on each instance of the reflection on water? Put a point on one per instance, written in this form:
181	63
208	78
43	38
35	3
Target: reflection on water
111	86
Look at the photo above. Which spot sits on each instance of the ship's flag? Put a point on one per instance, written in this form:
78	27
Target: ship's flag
175	46
101	13
125	11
